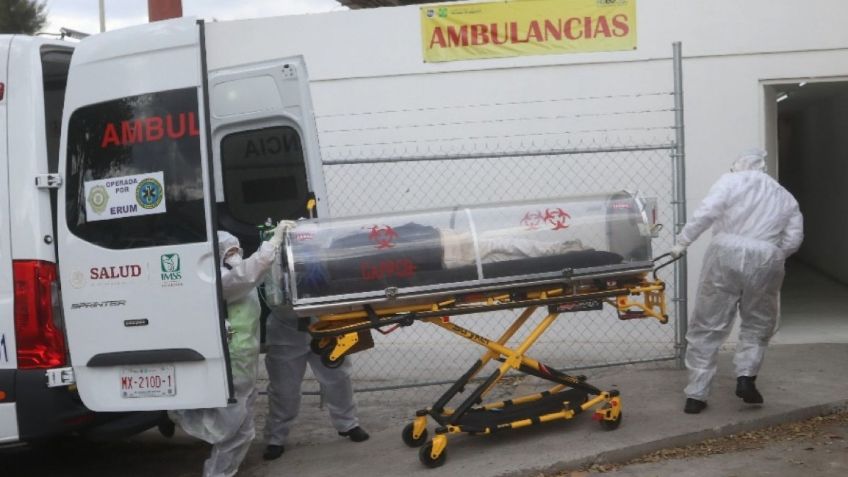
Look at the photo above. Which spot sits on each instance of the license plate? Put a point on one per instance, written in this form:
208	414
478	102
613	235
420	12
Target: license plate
148	381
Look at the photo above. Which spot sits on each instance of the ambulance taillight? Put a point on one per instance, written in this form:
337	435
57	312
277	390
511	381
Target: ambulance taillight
38	332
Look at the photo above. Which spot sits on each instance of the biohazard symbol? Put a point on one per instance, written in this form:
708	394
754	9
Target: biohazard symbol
532	220
382	236
558	218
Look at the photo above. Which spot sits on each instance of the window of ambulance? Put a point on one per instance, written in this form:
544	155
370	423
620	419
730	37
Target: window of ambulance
134	171
264	175
55	62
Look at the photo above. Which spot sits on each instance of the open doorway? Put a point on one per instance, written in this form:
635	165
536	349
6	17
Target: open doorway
808	141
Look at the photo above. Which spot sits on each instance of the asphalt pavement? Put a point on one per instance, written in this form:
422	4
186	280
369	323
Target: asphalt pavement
798	381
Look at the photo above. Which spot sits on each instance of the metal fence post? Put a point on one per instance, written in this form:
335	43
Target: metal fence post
679	159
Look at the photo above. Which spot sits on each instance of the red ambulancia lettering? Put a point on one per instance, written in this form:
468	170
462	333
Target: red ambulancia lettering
151	129
537	31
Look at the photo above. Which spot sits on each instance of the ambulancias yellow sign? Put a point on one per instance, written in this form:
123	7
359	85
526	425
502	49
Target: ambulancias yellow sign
530	27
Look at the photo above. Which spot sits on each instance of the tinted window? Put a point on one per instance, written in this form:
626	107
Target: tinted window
264	175
134	171
54	71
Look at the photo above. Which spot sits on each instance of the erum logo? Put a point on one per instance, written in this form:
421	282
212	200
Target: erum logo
170	266
148	193
382	236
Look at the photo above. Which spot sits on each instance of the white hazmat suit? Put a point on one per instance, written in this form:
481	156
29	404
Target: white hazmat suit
756	225
231	429
286	359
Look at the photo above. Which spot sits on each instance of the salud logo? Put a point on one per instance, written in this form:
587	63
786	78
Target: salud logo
171	274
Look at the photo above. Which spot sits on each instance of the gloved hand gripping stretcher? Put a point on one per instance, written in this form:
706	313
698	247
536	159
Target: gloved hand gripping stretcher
568	254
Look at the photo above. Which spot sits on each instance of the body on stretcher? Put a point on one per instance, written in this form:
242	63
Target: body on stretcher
558	255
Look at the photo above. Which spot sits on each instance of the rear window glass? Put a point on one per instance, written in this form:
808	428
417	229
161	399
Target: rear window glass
134	171
54	70
264	175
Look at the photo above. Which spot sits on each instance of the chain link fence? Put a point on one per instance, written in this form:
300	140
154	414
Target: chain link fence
443	155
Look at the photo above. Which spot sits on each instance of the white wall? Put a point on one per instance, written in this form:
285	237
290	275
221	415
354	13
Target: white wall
362	60
816	172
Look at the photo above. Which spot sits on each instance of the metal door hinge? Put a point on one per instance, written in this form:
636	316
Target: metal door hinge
48	181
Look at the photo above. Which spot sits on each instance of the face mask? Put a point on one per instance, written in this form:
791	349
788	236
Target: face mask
234	259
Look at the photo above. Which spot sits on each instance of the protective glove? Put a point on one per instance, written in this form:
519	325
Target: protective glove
678	250
279	232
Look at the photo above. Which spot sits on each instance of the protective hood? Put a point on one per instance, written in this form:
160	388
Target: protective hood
753	159
226	242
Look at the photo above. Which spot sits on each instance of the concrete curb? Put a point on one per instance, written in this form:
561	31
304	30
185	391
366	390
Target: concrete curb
631	452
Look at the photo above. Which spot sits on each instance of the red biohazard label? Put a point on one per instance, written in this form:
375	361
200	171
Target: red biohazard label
402	268
555	218
532	220
383	236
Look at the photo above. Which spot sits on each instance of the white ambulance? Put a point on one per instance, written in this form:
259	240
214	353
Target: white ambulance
35	401
157	153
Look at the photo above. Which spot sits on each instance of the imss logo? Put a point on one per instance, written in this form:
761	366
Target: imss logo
171	273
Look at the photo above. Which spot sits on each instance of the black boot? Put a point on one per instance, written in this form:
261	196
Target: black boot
694	406
167	427
357	434
746	389
273	452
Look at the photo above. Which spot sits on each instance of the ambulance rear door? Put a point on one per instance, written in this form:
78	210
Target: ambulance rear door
137	242
264	141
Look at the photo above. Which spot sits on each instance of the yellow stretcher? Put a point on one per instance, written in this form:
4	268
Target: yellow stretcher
634	295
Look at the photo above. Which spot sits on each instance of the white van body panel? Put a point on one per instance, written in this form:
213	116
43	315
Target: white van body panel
8	423
28	152
152	58
8	355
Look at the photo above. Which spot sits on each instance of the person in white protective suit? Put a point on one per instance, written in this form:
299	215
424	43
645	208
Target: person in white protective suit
231	429
287	355
756	225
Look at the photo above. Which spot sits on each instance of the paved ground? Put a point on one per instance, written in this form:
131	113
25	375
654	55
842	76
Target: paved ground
800	381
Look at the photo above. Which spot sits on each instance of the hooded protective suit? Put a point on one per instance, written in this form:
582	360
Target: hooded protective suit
286	359
756	225
231	429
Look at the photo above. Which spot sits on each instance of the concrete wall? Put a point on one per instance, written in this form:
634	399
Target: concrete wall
368	59
814	160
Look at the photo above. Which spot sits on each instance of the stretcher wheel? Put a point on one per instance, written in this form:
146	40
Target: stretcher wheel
612	425
325	360
316	346
428	460
409	440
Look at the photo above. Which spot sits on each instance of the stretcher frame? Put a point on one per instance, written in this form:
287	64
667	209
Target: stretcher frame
633	296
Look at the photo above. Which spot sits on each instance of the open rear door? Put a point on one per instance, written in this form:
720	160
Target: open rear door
137	243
